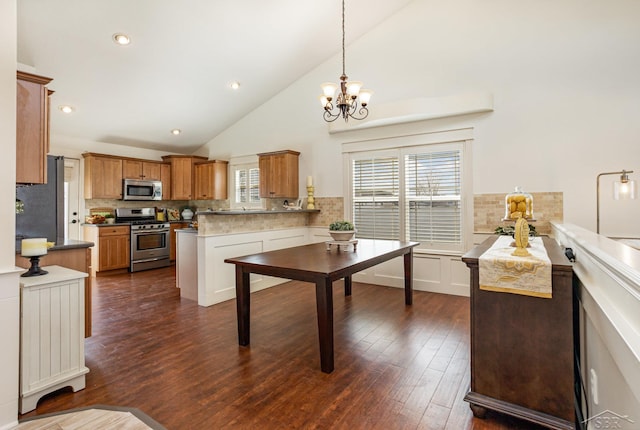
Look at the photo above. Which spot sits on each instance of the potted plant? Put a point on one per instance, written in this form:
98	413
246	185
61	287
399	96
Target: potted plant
341	230
109	219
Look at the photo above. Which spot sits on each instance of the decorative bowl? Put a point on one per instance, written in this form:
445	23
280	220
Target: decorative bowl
342	235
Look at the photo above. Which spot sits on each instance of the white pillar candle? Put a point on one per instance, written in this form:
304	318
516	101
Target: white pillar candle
309	181
34	247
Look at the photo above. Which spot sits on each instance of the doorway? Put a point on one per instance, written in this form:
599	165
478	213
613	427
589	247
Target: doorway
71	199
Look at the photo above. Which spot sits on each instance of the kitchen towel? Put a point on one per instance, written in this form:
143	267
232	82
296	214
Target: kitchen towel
502	272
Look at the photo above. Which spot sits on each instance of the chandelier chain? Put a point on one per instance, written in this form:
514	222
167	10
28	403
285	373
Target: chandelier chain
343	56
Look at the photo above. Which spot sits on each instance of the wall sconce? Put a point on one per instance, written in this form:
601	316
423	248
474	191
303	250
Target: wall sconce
622	190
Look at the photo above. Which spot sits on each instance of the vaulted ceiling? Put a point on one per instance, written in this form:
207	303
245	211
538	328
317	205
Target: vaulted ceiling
183	56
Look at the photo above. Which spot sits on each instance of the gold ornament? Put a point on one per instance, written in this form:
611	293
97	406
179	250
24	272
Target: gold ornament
522	238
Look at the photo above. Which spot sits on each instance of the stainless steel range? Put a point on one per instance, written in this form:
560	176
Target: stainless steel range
150	243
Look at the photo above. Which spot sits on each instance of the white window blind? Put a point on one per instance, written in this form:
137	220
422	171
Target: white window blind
413	193
376	191
432	197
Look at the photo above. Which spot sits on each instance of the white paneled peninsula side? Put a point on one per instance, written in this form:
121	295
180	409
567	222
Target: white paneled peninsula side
227	234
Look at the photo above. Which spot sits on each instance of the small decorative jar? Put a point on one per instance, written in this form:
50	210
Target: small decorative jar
187	214
518	204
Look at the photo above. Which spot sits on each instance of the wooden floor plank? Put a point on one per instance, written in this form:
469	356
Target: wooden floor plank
396	366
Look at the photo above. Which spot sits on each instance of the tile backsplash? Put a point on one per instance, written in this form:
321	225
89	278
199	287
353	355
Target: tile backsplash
488	211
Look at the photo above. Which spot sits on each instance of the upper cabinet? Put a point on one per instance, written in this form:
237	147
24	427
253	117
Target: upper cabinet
278	174
32	128
182	175
140	169
211	180
165	178
102	176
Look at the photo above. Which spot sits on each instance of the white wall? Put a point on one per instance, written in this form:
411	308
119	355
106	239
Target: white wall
563	76
9	286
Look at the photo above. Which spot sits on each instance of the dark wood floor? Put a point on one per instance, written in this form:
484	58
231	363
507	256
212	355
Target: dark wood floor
396	367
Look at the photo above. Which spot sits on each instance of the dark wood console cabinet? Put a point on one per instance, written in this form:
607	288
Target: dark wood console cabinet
522	361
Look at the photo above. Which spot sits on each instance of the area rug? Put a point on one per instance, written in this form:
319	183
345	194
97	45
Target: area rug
97	417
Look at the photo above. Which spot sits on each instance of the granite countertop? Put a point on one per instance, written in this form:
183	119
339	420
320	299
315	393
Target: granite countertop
60	245
256	212
104	224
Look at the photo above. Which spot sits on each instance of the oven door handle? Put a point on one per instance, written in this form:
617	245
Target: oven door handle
146	260
148	233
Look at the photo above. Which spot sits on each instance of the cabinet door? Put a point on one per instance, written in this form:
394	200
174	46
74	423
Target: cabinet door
165	177
32	128
114	252
102	178
211	180
220	173
151	171
279	175
203	181
175	226
131	169
181	179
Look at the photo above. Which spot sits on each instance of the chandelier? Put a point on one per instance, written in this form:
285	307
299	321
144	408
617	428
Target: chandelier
348	96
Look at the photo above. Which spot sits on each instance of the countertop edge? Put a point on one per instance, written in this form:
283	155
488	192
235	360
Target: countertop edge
257	212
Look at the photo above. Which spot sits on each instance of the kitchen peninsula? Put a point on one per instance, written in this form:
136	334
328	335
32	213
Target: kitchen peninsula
232	233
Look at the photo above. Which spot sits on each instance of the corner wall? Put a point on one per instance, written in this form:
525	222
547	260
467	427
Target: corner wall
9	283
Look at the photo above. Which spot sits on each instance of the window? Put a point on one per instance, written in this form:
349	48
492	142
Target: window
245	186
413	193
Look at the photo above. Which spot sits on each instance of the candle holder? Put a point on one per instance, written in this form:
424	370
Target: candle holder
310	200
33	249
35	269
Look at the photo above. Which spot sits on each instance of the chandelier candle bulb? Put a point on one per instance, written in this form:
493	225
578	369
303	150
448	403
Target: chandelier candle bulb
34	247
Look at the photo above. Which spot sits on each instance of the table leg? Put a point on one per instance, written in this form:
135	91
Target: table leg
324	309
347	285
408	277
242	305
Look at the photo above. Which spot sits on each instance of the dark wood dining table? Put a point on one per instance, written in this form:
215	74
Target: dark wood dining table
321	265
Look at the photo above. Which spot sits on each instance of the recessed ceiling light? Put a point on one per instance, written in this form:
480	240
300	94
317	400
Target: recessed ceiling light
66	109
121	39
176	131
234	85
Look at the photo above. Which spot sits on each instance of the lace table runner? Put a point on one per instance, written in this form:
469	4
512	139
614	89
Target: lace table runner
502	272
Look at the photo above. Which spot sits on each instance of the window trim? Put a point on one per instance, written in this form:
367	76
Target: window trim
400	145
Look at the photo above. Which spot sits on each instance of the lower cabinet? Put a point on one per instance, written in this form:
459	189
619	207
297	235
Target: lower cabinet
175	226
522	347
112	249
72	258
51	334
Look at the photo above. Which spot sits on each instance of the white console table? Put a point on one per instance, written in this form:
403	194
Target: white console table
51	334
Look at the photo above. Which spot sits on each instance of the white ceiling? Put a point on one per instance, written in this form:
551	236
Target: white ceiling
183	56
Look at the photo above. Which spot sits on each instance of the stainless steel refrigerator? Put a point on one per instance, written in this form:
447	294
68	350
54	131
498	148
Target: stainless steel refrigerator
43	214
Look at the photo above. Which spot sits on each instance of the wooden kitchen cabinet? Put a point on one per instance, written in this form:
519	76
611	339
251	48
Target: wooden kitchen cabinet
32	128
175	226
102	176
112	249
211	180
182	175
278	174
165	178
140	169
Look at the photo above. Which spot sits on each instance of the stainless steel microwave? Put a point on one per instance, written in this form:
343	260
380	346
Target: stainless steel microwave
135	189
